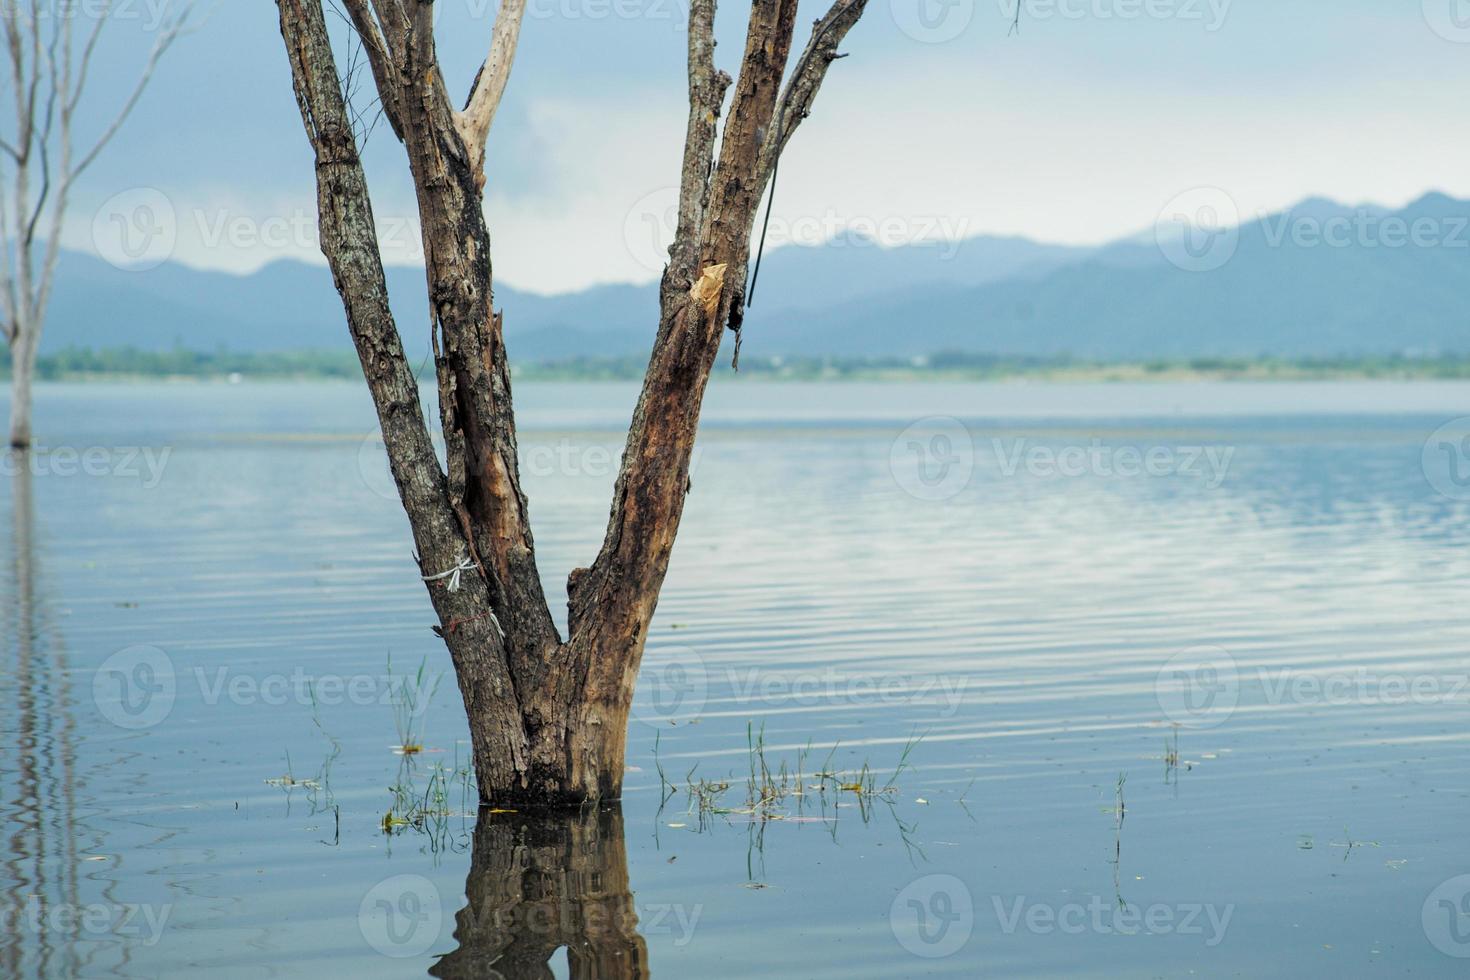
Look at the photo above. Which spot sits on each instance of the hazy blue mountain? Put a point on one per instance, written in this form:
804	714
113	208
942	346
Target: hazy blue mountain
291	305
1281	292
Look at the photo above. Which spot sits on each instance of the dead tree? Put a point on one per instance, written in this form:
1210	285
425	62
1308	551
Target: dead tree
548	716
39	165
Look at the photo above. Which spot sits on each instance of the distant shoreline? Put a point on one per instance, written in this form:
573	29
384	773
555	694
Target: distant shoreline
75	365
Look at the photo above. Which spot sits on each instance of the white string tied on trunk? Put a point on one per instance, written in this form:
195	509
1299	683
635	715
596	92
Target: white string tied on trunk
465	565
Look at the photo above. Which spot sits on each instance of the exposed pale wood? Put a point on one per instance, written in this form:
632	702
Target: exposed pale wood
479	112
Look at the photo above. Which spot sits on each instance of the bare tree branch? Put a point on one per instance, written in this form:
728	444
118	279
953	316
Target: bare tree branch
349	240
380	60
393	19
479	112
61	87
74	95
806	78
611	603
706	95
734	193
8	296
160	47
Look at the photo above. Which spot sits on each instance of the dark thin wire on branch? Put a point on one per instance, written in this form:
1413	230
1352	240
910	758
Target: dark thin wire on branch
766	224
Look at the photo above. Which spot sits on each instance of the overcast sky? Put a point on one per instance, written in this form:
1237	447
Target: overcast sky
942	123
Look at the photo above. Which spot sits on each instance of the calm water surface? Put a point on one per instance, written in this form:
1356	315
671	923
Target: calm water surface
1180	671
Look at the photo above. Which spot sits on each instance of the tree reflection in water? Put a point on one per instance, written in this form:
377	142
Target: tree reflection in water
38	778
539	882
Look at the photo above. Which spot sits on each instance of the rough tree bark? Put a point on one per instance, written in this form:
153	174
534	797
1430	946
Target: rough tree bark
39	166
548	716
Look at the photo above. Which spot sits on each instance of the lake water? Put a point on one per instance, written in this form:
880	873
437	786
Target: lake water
1180	672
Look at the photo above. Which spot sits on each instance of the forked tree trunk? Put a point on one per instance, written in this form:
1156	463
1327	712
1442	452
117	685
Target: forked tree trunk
548	716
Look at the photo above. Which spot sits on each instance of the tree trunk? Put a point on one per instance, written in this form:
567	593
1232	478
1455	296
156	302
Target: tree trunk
548	716
22	368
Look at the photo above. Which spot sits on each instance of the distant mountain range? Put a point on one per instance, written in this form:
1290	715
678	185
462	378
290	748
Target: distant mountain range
1322	279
